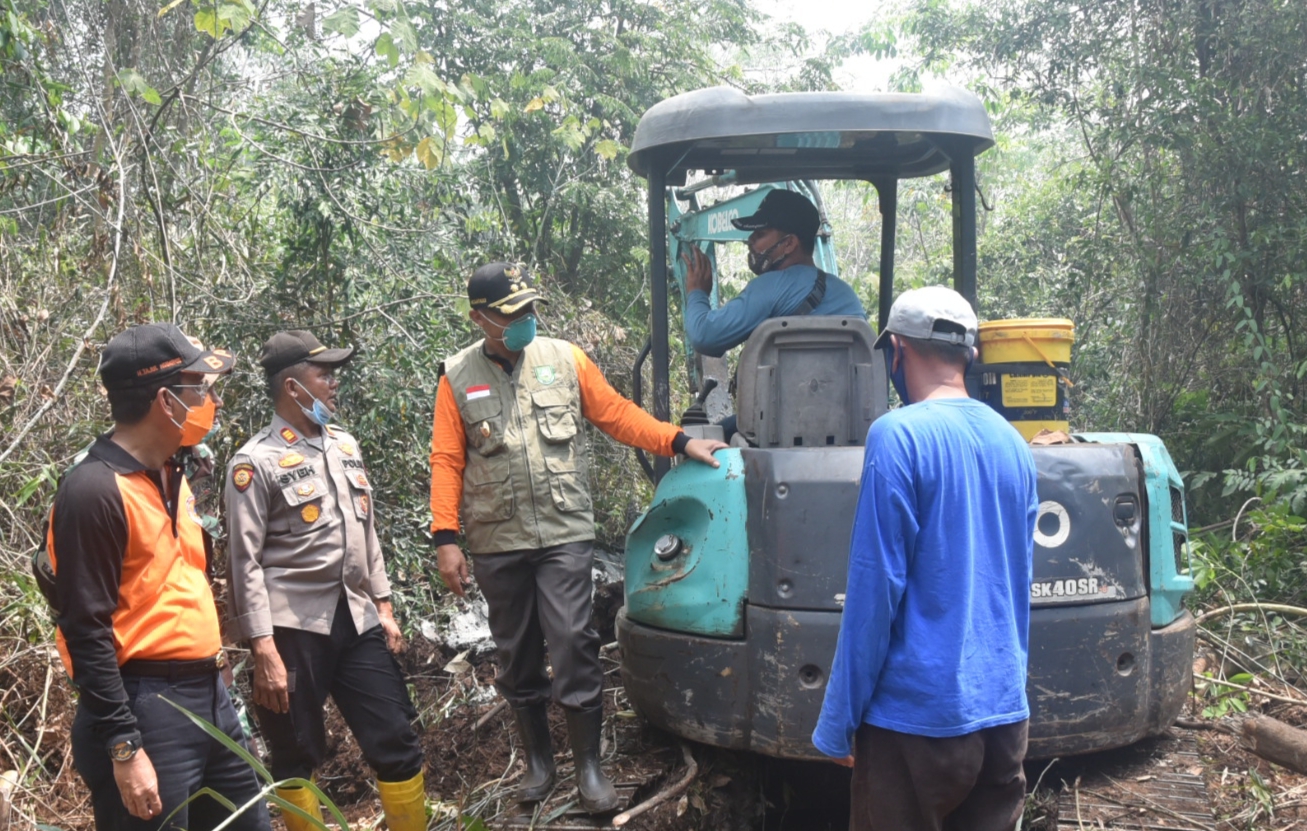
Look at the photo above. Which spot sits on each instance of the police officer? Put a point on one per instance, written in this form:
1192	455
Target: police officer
507	447
309	587
136	617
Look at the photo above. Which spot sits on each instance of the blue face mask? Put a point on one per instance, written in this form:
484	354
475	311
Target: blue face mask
897	377
319	414
518	334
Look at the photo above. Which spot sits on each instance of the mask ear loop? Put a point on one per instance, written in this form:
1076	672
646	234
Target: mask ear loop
501	329
178	399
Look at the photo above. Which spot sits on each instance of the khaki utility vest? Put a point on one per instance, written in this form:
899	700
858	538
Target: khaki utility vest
526	484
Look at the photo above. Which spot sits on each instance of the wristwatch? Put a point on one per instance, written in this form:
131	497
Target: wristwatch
124	750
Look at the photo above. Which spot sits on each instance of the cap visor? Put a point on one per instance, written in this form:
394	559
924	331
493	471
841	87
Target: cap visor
882	340
215	360
517	300
750	223
332	357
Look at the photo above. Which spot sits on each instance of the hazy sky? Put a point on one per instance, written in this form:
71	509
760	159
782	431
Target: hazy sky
864	73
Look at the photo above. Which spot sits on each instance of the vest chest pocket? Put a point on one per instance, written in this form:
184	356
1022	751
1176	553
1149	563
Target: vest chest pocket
304	499
483	421
554	414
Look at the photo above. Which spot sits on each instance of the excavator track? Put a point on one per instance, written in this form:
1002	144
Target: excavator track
1155	785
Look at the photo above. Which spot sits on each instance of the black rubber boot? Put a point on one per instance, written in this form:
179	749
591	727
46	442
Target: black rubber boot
597	793
533	730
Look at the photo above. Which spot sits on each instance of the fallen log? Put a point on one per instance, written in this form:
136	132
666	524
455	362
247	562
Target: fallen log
1275	741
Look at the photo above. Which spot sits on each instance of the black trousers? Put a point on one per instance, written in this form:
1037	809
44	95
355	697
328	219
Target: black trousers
185	758
973	782
365	681
544	595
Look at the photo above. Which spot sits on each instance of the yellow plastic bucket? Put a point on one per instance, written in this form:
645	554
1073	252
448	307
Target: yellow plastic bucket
1024	371
1045	340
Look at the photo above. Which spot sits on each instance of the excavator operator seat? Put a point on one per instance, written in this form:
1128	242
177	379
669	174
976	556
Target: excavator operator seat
810	381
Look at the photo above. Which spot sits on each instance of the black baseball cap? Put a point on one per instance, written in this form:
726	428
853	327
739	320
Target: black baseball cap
504	287
784	210
289	348
151	352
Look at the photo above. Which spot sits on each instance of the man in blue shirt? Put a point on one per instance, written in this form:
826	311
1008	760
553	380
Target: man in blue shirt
927	693
788	282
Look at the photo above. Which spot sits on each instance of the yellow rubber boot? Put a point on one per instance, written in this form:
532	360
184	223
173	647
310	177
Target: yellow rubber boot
405	804
306	801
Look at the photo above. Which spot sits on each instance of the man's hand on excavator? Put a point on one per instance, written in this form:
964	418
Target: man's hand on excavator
701	450
698	270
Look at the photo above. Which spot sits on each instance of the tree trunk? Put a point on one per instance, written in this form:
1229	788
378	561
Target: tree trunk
1275	741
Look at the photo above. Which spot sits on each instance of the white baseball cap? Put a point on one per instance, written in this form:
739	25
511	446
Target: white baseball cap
916	311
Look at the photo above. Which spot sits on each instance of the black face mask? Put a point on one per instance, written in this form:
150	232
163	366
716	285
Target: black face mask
762	263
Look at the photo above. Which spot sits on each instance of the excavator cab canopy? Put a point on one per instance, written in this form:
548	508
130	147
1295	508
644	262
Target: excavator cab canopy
875	137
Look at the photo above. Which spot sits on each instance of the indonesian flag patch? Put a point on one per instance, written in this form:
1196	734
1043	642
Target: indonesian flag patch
479	391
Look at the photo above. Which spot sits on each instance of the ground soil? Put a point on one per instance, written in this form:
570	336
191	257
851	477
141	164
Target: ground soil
470	771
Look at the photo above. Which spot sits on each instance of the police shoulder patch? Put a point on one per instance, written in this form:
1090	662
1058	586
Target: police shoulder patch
242	474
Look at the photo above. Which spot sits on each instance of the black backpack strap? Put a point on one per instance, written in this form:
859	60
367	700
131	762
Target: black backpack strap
814	298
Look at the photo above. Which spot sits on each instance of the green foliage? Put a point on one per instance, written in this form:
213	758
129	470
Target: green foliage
1266	563
1226	700
1169	211
342	169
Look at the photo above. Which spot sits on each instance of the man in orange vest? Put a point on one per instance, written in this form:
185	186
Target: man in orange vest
136	618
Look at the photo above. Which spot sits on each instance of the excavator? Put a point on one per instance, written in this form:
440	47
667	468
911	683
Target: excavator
735	576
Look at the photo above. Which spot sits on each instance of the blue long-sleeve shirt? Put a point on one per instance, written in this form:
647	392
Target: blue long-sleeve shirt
933	640
771	294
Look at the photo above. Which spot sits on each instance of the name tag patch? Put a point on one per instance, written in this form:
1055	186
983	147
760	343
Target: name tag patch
295	475
479	391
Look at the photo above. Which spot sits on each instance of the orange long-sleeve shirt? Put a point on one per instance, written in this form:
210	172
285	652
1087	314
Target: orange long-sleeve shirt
602	406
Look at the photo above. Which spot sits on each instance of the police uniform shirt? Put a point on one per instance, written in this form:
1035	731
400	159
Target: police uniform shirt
301	531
